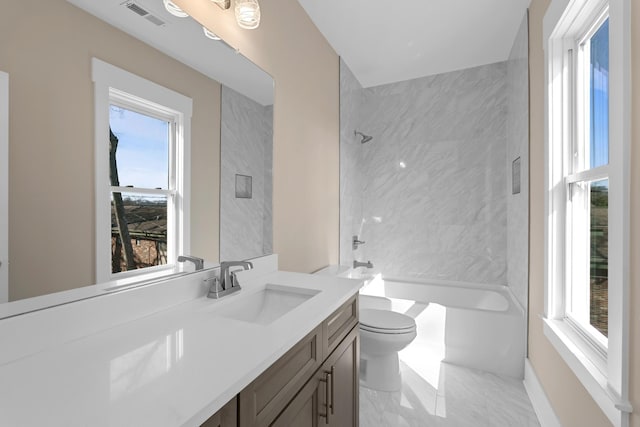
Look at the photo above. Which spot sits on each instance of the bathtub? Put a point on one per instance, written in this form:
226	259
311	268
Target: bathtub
480	326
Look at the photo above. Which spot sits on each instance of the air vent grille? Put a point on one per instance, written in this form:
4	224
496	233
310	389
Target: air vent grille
137	9
159	22
141	11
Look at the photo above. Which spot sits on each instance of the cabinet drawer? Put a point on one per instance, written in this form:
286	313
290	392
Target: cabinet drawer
263	399
338	325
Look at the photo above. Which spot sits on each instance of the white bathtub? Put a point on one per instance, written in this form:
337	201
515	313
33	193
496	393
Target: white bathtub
481	326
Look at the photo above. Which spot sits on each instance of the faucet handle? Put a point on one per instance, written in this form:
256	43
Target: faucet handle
213	283
355	242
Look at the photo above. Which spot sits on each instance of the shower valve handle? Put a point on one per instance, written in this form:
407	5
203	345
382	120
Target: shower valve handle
355	242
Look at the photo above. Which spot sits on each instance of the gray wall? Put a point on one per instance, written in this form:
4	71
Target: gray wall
246	149
518	146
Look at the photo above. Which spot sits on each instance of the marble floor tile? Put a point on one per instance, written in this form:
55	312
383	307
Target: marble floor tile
463	398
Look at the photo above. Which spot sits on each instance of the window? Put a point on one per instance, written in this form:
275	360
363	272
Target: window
142	190
143	187
587	181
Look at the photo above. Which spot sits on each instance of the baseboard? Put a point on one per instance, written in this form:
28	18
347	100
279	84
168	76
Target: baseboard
538	397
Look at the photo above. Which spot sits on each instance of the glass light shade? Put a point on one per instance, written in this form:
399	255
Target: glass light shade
247	13
210	34
224	4
173	9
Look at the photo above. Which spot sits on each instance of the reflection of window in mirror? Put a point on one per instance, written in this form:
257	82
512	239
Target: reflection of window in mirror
4	187
142	195
142	188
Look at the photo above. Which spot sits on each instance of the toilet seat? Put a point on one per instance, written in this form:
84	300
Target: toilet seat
386	322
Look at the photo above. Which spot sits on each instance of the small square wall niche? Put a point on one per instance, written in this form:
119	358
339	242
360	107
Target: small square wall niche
243	187
515	176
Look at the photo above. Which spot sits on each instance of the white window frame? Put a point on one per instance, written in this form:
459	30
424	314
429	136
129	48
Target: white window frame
115	85
602	369
4	187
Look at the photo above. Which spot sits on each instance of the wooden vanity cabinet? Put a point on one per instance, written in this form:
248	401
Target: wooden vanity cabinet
330	397
319	373
227	416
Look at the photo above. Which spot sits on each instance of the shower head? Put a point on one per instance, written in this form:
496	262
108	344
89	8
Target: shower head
365	138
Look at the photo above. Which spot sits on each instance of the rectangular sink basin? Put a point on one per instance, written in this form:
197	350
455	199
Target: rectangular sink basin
267	305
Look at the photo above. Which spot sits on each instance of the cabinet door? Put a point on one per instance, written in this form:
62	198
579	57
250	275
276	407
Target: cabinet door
262	400
343	367
227	416
307	408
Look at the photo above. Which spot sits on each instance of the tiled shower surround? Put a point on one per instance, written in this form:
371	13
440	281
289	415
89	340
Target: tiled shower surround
518	146
246	149
430	193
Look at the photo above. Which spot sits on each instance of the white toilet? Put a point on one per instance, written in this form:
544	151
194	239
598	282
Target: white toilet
383	333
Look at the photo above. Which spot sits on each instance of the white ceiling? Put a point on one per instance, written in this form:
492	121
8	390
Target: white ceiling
394	40
183	39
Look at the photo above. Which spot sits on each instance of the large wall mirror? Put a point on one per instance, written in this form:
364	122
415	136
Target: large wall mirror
246	151
46	49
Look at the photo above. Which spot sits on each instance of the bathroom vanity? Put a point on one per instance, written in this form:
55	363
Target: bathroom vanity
316	382
165	355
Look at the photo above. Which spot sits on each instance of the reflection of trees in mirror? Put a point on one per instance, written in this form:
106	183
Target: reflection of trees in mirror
138	225
123	238
146	221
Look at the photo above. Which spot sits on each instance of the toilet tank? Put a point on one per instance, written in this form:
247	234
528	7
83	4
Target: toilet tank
378	303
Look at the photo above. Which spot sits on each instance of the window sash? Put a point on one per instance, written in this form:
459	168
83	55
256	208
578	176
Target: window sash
579	76
142	106
577	247
578	171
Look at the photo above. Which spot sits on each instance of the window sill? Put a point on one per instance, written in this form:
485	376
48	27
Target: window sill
136	277
588	366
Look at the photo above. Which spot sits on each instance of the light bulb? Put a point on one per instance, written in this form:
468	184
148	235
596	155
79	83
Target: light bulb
247	13
173	9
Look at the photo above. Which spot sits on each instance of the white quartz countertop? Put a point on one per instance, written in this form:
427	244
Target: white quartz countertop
172	368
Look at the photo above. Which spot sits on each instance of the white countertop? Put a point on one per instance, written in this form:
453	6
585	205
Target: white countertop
172	368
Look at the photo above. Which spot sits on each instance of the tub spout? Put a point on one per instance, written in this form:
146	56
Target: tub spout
367	264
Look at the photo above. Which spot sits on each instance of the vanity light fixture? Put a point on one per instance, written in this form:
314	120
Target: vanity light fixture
247	14
210	35
224	4
173	9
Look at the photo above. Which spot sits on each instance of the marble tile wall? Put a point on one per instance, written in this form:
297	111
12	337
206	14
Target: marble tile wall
518	146
434	200
267	227
351	166
246	149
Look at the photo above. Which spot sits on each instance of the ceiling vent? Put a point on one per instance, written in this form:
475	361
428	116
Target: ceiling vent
141	11
159	22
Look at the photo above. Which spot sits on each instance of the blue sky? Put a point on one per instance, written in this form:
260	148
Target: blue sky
600	97
142	154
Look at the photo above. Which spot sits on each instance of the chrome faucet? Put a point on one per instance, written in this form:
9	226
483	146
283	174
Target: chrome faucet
198	262
357	264
227	278
227	283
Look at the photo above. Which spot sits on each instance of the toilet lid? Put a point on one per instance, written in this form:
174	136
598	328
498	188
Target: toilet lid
386	321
